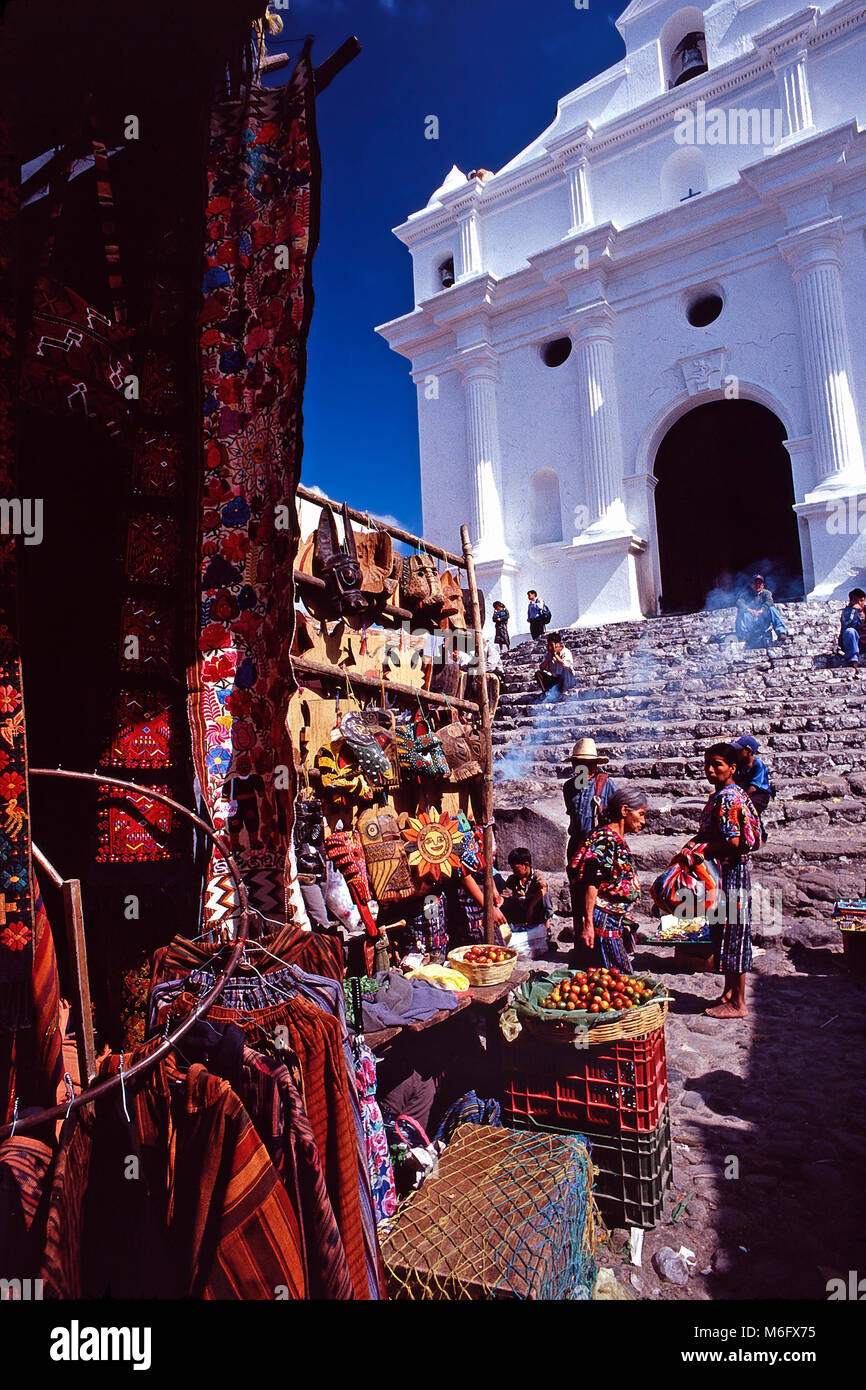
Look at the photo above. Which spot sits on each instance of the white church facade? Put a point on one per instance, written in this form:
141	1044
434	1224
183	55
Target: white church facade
640	347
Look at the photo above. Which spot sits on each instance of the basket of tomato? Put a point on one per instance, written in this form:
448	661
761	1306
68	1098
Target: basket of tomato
611	1003
484	965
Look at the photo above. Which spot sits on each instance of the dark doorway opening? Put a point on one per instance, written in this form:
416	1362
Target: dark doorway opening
724	507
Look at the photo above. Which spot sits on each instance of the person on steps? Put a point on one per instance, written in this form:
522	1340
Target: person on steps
852	630
606	885
556	671
501	616
730	829
538	615
757	614
586	794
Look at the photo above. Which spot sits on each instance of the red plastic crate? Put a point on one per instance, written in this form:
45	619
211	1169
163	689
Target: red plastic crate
618	1087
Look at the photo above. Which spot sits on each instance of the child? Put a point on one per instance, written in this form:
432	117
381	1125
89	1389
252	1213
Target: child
752	775
538	615
525	903
501	616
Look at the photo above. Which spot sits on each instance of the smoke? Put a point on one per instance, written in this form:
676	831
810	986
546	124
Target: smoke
785	584
517	762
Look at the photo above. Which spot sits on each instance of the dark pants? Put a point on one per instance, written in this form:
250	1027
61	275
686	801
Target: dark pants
566	681
536	627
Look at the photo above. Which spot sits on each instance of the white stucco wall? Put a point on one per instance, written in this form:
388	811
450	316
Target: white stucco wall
646	257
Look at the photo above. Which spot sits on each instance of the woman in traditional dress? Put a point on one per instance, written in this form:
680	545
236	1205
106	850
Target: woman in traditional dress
731	829
606	885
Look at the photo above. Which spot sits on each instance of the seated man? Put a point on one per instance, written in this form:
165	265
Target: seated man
525	903
852	632
557	669
757	613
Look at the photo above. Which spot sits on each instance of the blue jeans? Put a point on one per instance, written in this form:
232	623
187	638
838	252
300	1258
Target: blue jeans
749	629
851	645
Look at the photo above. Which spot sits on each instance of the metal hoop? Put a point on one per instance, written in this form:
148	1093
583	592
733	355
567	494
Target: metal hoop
101	1088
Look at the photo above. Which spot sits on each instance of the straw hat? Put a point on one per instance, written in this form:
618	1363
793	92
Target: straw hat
585	751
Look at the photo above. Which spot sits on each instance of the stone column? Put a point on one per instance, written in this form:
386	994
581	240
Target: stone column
469	250
794	91
599	417
480	370
814	256
570	152
579	198
786	44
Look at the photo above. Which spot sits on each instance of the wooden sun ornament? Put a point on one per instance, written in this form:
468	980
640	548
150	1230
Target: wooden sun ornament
435	839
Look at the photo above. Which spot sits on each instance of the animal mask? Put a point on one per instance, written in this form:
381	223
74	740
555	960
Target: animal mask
338	565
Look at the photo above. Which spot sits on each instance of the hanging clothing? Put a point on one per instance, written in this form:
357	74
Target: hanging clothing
276	1109
207	1217
291	945
316	1039
378	1154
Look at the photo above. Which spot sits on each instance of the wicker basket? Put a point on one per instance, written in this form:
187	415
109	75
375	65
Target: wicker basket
634	1023
483	974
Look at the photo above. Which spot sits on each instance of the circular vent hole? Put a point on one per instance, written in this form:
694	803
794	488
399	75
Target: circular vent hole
705	309
555	353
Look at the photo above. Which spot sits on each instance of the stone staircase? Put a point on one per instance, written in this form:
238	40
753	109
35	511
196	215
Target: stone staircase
654	695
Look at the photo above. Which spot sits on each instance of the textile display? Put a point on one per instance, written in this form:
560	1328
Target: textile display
262	227
210	1218
16	897
378	1156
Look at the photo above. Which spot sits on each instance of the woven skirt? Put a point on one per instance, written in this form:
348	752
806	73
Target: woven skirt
609	949
732	937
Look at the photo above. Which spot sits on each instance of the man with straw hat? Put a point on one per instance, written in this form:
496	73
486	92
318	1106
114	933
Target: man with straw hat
586	794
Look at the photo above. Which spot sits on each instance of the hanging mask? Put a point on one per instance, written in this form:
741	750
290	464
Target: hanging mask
386	856
309	838
338	565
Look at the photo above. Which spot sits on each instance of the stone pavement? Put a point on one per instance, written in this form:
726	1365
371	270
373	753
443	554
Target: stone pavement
781	1094
776	1098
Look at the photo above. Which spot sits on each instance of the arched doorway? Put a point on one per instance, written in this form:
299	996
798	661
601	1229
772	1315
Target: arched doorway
724	506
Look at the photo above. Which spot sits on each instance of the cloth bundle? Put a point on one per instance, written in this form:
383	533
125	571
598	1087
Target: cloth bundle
691	884
403	1001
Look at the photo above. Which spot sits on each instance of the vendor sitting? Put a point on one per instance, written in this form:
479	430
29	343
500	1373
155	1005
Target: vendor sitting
524	902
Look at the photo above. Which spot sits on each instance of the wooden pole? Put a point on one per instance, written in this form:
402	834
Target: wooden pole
76	944
364	519
484	710
72	911
318	669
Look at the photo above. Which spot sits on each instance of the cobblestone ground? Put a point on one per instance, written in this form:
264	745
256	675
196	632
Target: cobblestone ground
780	1092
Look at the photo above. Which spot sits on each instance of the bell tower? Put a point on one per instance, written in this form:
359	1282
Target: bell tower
666	46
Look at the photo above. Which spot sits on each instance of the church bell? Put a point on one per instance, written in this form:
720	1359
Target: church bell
689	60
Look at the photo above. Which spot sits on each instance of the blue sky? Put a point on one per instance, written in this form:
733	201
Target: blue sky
492	71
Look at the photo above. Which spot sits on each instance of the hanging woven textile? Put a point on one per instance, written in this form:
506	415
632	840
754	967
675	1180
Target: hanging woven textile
261	229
